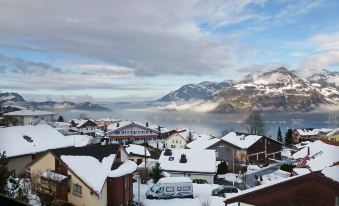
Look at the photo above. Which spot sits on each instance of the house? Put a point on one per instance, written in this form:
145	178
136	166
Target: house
238	147
83	126
193	163
137	153
317	155
23	144
104	122
93	175
308	134
177	139
29	117
131	131
333	136
316	188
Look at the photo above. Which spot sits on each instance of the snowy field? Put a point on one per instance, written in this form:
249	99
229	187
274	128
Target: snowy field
201	192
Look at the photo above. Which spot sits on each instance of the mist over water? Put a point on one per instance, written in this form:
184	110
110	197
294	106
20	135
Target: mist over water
208	123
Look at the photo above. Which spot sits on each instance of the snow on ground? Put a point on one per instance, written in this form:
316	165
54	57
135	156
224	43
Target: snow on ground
201	192
332	172
231	177
286	152
253	168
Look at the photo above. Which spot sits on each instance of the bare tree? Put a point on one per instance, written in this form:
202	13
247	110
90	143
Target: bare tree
254	123
43	187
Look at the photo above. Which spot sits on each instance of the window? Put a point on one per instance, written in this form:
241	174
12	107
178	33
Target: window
216	154
173	141
186	188
221	144
170	158
161	190
179	188
77	189
169	189
172	146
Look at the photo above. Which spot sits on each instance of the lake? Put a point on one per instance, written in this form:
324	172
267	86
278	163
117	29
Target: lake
208	123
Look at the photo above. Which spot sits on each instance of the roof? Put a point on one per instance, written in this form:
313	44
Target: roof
29	139
123	124
108	119
301	171
81	122
203	142
241	140
332	172
335	131
312	131
28	112
321	155
202	161
137	150
96	151
94	163
53	176
174	180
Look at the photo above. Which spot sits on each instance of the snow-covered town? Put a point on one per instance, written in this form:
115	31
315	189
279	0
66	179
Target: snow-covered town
109	161
169	103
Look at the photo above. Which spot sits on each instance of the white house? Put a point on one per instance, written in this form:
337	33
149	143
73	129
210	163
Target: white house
136	153
104	122
23	144
83	126
30	117
178	138
193	163
131	131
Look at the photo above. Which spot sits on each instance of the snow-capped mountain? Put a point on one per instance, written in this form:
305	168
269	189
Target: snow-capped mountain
15	99
276	90
201	91
324	78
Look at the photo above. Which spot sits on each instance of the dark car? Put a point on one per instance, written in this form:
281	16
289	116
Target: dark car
221	190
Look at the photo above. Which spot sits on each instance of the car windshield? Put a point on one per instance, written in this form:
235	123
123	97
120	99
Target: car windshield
155	187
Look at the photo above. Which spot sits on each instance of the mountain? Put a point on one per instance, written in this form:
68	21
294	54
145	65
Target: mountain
276	90
324	78
201	91
11	99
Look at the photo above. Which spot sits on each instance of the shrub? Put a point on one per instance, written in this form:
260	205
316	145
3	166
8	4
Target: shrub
200	181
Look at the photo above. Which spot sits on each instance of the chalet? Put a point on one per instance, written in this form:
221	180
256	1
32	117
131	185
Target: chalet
177	139
241	147
23	144
308	134
137	153
333	136
193	163
83	126
91	175
29	117
104	122
131	131
316	188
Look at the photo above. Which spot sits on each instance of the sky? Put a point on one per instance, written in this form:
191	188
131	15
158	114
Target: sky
127	50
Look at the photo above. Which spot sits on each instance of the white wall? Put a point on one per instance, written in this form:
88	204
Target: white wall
175	141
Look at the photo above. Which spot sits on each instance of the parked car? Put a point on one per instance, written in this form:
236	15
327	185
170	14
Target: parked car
221	190
171	187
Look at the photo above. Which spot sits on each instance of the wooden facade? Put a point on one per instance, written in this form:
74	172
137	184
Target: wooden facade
310	189
122	196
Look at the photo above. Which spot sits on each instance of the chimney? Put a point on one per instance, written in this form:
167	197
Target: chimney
183	159
118	125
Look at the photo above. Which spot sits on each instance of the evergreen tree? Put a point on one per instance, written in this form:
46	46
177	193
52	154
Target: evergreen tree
279	135
190	137
222	168
60	119
289	136
5	174
157	172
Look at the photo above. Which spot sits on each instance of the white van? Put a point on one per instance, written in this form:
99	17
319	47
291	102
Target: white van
171	187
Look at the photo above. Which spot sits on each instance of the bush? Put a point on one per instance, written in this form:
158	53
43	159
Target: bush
200	181
222	168
287	167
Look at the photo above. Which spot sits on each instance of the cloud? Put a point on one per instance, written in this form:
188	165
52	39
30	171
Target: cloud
198	106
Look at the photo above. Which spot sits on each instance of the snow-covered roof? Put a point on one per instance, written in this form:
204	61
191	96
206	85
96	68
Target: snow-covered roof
203	142
127	167
301	171
321	155
21	140
165	180
241	140
197	161
53	176
332	172
313	131
80	140
137	150
80	122
108	119
335	131
28	112
122	124
94	172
